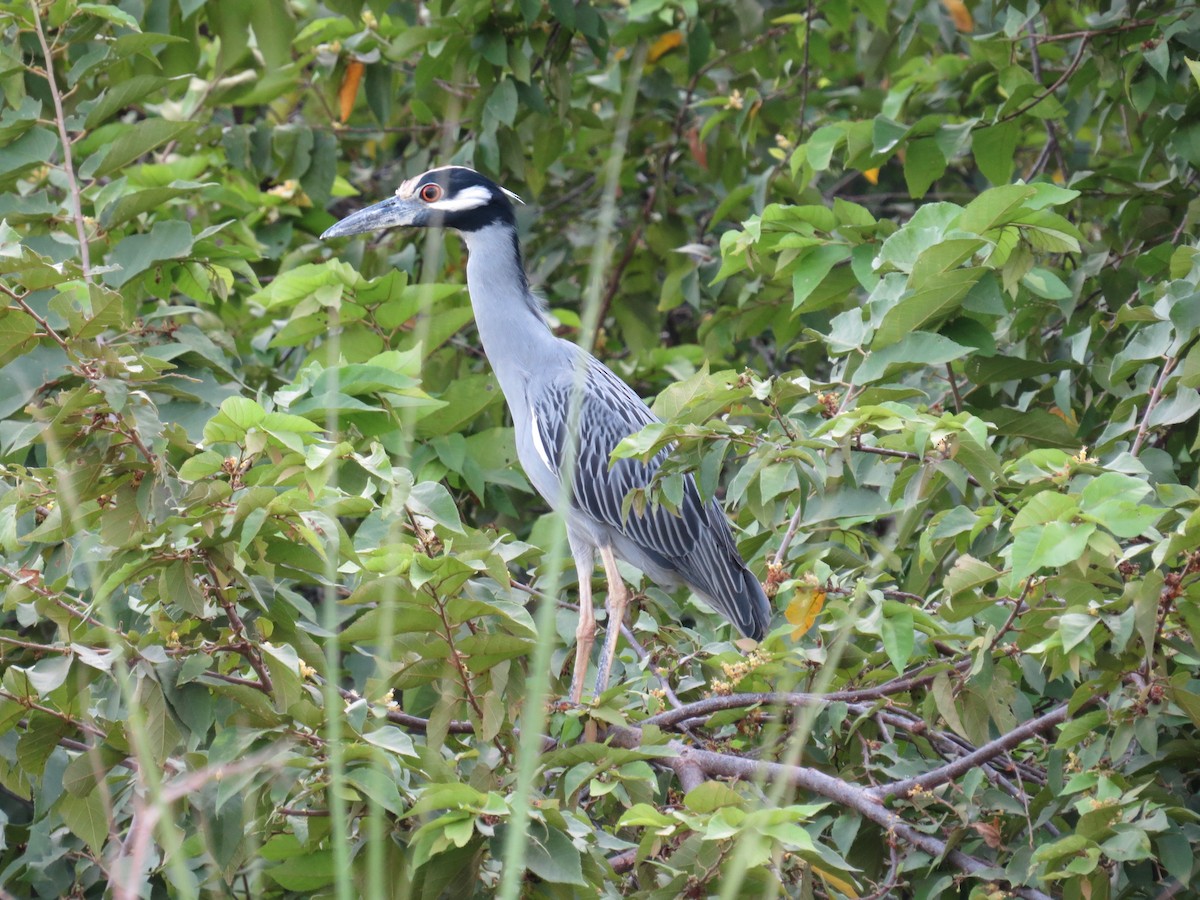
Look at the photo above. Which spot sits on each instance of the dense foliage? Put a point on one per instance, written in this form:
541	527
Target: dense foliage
916	286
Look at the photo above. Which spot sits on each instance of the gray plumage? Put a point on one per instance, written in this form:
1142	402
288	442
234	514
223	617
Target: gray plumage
539	375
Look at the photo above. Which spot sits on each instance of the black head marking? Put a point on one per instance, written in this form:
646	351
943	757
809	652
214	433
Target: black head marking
459	198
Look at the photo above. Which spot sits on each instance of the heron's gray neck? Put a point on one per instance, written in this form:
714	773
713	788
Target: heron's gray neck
513	330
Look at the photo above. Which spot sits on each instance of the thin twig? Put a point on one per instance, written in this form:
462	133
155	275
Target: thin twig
806	71
958	401
1017	607
1059	82
1155	397
1094	32
49	711
49	332
60	119
128	867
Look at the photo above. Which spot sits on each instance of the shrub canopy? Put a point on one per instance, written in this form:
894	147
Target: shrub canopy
916	292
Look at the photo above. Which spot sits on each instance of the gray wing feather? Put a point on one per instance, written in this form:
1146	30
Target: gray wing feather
696	543
610	411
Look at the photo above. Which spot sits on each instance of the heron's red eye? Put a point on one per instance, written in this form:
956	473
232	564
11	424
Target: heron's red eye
431	193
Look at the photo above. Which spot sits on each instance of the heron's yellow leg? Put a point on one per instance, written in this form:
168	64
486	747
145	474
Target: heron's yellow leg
618	599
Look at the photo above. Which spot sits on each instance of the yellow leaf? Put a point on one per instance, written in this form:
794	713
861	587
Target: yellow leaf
839	884
872	175
960	14
664	45
803	609
348	90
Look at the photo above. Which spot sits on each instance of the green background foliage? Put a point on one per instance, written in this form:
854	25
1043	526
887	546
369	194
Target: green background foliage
917	290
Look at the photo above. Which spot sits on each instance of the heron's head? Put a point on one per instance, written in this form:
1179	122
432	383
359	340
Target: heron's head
448	197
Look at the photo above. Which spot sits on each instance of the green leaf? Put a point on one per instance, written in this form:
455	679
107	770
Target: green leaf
1049	546
918	349
502	103
897	631
968	575
710	796
121	95
431	499
1045	283
138	139
811	268
922	307
129	206
112	14
322	280
821	145
201	466
306	872
87	818
552	857
923	165
377	787
644	815
1072	732
160	733
17	330
392	739
995	148
138	252
236	416
33	148
1074	629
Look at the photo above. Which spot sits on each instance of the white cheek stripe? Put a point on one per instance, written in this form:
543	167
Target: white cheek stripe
469	198
538	446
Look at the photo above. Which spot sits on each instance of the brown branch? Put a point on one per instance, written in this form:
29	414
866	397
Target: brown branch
958	400
61	716
1017	607
849	796
235	679
49	332
60	119
964	764
1059	82
1155	397
243	645
624	861
416	723
706	707
892	880
129	865
1095	32
30	583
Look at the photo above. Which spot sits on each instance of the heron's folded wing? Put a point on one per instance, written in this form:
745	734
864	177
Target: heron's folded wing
608	412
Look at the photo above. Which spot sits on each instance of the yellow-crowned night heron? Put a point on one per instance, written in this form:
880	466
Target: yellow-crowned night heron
539	375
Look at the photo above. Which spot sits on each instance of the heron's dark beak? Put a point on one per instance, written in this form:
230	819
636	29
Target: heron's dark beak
387	213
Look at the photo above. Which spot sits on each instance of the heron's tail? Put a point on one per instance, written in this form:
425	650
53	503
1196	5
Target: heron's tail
715	572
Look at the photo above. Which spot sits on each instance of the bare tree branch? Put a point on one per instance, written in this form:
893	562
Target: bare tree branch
964	764
847	795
